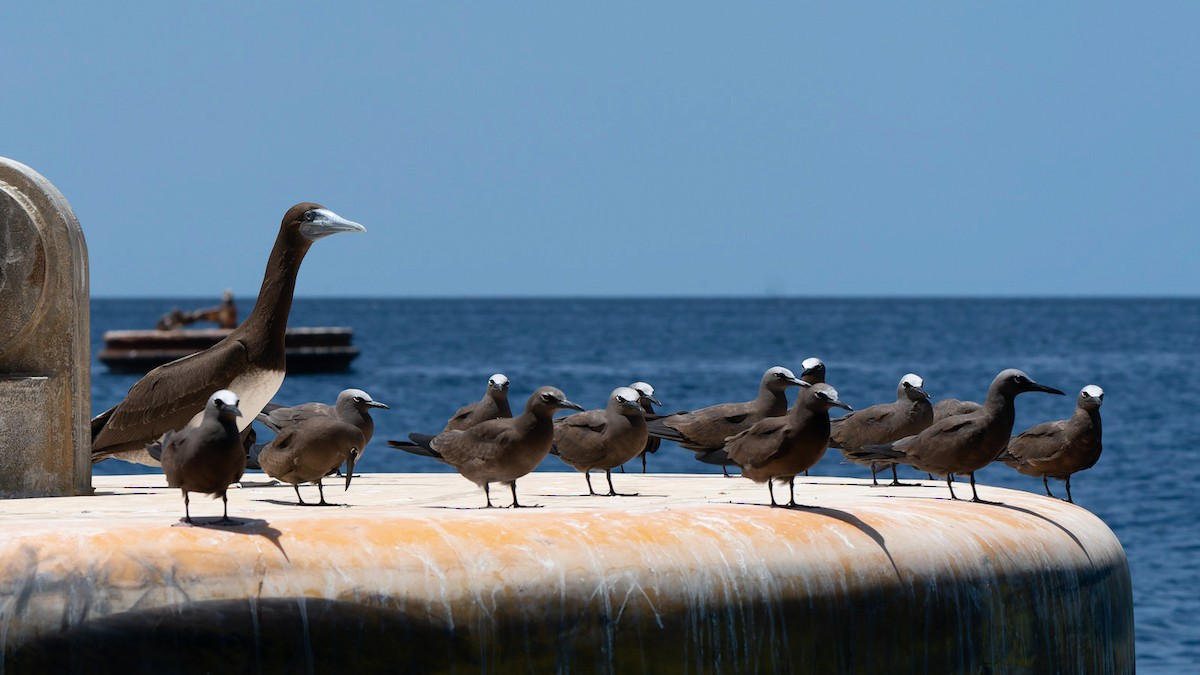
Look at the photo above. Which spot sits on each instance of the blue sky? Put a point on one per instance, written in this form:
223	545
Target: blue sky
620	148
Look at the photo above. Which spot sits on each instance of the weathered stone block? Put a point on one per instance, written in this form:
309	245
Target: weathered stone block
45	383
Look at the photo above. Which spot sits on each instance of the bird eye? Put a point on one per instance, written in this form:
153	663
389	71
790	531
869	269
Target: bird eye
309	216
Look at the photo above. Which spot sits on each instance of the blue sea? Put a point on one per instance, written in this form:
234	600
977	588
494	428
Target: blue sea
425	358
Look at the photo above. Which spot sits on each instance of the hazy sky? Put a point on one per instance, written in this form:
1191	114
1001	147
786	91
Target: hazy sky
620	148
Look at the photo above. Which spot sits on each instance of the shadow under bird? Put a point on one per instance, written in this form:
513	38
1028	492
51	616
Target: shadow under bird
206	458
647	400
779	448
962	443
353	406
706	429
911	413
309	450
249	362
499	450
1062	448
603	439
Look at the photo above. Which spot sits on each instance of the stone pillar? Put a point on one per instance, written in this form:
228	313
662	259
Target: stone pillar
45	368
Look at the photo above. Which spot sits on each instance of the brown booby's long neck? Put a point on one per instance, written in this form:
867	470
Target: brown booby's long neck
267	322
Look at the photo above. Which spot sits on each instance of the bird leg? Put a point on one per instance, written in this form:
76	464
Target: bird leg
1046	484
874	470
792	490
588	475
187	516
950	484
643	461
612	492
896	480
487	494
725	471
622	468
225	519
296	487
771	489
1069	500
513	485
975	495
321	491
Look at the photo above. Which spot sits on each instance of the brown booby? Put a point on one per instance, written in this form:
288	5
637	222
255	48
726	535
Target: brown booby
353	406
1059	449
962	443
208	457
706	429
249	361
498	450
779	448
647	401
909	414
603	439
311	448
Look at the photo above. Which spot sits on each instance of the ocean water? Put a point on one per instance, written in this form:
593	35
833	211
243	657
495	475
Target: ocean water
425	358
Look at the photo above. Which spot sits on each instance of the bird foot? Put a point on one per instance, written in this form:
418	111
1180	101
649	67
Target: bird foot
526	506
614	493
897	483
977	500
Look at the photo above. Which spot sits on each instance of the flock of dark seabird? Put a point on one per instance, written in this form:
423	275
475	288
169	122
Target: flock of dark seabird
193	416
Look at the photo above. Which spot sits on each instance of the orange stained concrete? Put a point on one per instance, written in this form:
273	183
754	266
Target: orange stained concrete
420	542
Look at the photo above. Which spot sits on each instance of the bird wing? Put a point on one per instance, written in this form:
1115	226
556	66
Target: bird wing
275	459
168	397
709	427
859	428
280	417
460	416
1041	444
579	436
760	443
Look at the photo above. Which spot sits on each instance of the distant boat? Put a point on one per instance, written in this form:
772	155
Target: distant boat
309	350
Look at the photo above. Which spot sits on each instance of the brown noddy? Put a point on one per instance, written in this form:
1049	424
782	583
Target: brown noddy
647	401
706	429
779	448
962	443
603	439
309	449
499	450
493	405
909	414
208	457
353	406
1059	449
249	361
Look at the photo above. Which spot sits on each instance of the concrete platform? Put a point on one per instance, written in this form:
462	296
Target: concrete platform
696	574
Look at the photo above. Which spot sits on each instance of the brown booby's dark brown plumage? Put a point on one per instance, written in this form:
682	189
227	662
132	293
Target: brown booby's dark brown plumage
962	443
500	450
603	439
310	449
249	361
209	457
706	429
1062	448
779	448
909	414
